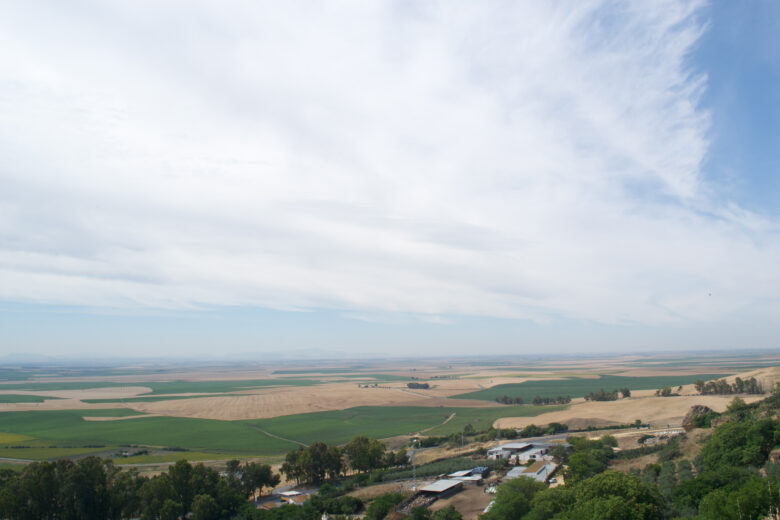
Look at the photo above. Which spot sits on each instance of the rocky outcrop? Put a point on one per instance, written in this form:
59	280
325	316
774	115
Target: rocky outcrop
689	421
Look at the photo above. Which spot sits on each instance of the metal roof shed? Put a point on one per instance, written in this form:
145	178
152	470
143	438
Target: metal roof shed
443	487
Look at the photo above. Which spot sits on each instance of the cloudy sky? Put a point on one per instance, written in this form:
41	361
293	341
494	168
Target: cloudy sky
388	178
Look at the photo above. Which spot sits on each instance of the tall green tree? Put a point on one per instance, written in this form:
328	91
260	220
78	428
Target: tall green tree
204	507
364	454
513	499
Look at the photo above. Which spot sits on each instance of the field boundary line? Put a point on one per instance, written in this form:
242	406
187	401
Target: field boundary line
415	393
278	437
448	419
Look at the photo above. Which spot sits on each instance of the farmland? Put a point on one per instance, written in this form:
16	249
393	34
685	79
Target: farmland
223	412
17	398
579	387
54	432
338	427
168	387
69	429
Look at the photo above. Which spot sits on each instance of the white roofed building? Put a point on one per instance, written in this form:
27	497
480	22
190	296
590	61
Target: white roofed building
506	451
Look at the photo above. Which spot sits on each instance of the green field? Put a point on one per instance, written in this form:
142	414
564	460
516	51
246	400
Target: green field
11	374
191	456
483	418
374	377
579	387
64	433
108	412
149	399
39	450
27	373
20	398
67	428
338	427
342	370
166	387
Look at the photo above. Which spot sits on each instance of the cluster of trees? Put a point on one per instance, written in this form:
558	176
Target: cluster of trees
666	391
313	463
587	457
328	499
93	488
538	400
421	386
608	495
722	387
505	399
531	430
603	395
319	461
535	431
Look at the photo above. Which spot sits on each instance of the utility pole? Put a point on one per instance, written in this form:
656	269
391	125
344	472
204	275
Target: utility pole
414	463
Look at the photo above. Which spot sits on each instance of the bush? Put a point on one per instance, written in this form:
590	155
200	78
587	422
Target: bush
643	438
740	443
382	505
344	505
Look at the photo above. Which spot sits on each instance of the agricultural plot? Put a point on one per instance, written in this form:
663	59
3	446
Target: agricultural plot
11	374
108	412
374	377
339	370
167	387
217	419
19	398
68	428
338	427
44	450
152	399
44	435
579	387
483	418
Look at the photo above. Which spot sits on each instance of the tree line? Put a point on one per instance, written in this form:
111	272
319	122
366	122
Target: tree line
603	395
421	386
722	387
319	461
93	488
538	400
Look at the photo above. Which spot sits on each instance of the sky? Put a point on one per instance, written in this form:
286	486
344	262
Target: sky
388	178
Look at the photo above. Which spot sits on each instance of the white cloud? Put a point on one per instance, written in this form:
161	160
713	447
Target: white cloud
503	159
